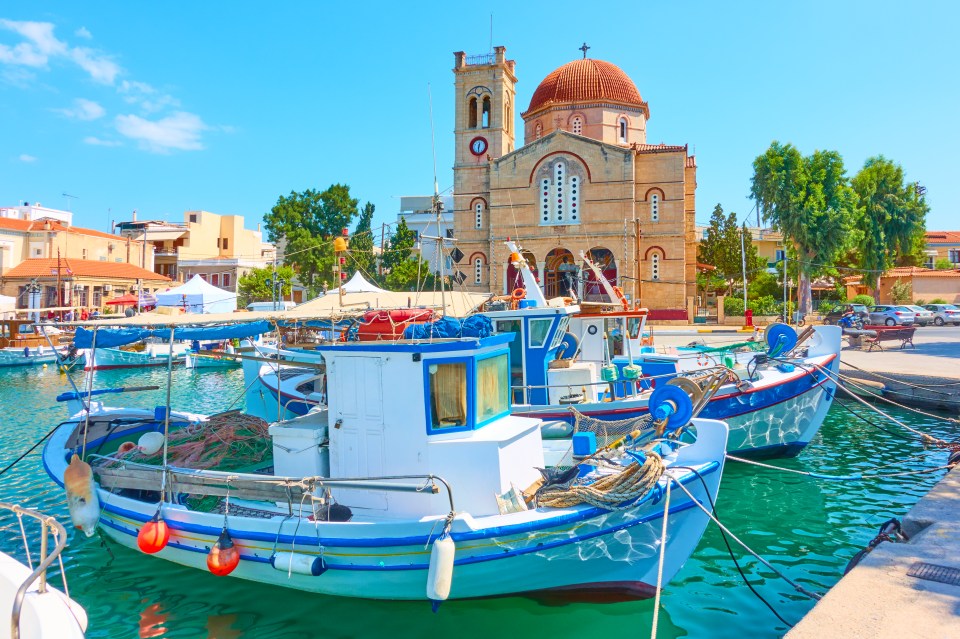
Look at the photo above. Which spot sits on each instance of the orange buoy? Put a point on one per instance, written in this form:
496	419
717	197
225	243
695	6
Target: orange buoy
154	535
224	556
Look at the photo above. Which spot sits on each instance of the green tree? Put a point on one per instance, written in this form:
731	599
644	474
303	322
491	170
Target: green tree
721	246
901	292
892	217
255	286
305	223
400	246
943	264
410	275
810	201
361	245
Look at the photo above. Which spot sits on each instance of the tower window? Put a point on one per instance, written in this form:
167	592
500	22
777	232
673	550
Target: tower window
577	126
654	207
655	267
622	126
478	210
478	271
538	132
472	113
507	116
485	118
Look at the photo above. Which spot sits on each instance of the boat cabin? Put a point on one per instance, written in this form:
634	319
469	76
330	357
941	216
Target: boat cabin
18	333
416	408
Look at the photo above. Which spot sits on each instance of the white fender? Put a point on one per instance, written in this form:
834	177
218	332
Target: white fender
440	575
299	563
82	500
150	443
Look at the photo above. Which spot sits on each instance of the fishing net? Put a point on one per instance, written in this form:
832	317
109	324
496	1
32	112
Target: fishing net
227	442
606	431
617	490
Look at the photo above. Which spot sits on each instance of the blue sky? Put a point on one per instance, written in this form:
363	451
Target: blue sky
165	107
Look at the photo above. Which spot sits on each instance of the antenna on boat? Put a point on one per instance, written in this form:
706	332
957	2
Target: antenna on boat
437	205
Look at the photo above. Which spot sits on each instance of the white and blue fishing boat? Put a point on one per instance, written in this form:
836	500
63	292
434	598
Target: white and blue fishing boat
417	483
774	401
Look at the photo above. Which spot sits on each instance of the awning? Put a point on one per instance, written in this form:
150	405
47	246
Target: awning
112	337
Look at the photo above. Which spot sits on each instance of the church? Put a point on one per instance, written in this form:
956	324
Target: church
584	181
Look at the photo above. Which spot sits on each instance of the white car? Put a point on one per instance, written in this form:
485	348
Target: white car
924	316
944	314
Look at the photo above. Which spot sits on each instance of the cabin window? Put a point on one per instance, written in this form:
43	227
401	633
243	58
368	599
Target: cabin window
493	393
539	329
448	395
561	331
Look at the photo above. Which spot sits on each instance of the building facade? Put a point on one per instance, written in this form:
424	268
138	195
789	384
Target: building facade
942	245
583	181
216	247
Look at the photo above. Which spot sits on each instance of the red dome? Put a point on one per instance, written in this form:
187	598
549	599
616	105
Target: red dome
586	80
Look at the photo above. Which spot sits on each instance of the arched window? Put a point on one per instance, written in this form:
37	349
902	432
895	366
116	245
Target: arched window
654	207
478	271
655	267
577	125
478	211
472	113
507	116
485	117
560	185
538	131
622	129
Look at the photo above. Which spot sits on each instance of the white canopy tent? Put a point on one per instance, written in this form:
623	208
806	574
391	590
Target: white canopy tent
358	284
197	296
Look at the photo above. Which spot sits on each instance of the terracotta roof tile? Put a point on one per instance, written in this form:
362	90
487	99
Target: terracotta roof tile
658	148
584	81
47	266
943	237
16	224
917	271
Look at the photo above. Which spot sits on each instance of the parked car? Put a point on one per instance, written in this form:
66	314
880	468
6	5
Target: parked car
944	314
837	312
924	316
892	315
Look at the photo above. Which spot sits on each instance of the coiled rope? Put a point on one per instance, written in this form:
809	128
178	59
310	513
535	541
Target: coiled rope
616	491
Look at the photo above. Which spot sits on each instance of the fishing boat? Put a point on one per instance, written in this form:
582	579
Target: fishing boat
152	354
774	400
35	608
24	343
416	483
215	355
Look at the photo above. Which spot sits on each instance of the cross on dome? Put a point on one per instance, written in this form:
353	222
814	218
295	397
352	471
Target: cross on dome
584	48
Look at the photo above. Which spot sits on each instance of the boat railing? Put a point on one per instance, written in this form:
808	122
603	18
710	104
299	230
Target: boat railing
136	475
48	525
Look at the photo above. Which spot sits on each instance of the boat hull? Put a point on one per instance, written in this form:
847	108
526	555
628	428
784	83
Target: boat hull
111	358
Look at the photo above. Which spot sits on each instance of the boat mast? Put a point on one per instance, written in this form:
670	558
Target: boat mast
437	205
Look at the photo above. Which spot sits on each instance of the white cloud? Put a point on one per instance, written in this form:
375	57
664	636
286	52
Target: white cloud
98	142
100	67
41	45
83	110
146	97
27	158
84	33
179	130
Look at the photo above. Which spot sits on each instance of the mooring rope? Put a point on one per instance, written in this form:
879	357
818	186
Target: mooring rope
920	386
853	477
663	554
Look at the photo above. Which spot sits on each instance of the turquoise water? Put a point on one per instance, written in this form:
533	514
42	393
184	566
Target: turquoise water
806	528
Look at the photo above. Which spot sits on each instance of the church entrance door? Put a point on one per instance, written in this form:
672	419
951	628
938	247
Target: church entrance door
562	274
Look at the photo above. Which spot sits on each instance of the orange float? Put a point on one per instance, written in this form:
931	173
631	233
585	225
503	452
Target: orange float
224	557
154	535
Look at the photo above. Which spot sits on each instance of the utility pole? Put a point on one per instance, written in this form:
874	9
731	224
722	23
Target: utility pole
785	310
383	237
59	285
743	260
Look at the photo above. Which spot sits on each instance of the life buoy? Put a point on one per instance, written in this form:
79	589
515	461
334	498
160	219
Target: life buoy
621	297
519	293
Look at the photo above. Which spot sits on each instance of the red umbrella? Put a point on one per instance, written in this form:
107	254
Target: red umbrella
125	300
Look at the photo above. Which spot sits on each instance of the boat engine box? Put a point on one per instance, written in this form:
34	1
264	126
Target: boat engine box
297	450
572	381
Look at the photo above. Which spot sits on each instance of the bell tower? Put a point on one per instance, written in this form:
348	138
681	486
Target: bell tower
485	104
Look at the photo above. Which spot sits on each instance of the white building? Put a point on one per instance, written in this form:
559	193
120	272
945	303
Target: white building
34	212
418	212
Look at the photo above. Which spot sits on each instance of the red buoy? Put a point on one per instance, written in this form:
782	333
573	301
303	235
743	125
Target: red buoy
224	556
154	535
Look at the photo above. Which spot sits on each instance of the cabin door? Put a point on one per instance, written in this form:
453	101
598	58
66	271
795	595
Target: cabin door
359	439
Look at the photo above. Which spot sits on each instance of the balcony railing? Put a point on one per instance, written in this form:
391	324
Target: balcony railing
483	58
165	252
